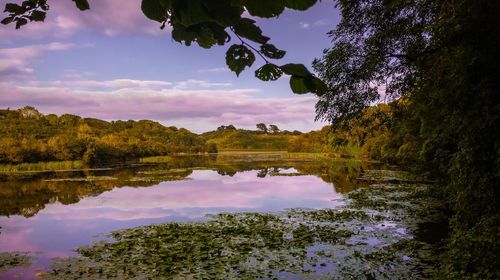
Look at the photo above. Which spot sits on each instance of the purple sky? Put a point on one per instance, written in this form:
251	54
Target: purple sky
112	63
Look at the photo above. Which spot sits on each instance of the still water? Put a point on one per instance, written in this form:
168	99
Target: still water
49	214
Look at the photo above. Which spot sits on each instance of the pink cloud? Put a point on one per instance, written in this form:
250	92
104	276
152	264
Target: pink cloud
14	62
111	17
197	109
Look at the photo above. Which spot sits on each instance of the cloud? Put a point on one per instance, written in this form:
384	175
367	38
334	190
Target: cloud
112	84
318	23
111	17
32	51
199	84
198	107
214	70
13	69
304	25
14	62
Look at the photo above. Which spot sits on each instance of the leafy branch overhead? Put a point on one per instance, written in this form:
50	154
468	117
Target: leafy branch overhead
210	23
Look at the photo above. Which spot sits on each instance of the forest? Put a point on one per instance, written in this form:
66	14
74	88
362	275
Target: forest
29	136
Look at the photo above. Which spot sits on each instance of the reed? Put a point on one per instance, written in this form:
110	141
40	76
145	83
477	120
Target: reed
42	166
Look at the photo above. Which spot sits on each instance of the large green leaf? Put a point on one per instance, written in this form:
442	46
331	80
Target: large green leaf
298	85
223	12
301	5
315	85
248	29
238	57
20	22
154	9
295	70
265	8
7	20
182	34
271	51
13	8
38	16
191	12
268	72
82	4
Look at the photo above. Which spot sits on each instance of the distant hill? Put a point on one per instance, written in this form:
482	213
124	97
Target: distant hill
29	136
230	138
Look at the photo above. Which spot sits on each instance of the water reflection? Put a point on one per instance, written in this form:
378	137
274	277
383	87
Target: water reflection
52	213
27	196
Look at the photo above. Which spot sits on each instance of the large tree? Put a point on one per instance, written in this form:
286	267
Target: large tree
442	59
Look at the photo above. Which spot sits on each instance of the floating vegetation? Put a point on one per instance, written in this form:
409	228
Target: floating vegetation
288	174
158	179
162	172
157	159
164	175
368	238
390	176
15	259
83	179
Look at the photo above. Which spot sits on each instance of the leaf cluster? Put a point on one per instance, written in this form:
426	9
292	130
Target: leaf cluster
32	10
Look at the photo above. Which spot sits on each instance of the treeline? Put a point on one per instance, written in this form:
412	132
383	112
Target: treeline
228	137
29	136
366	136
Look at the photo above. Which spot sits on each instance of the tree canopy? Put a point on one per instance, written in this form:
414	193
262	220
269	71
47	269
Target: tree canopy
441	59
210	23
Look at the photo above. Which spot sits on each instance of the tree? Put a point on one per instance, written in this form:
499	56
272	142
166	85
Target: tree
274	128
210	23
262	127
224	127
441	59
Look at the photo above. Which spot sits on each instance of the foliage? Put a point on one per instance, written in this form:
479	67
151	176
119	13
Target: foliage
274	128
28	137
365	136
210	23
262	127
230	138
15	259
442	57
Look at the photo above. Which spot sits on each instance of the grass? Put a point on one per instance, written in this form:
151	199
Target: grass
305	155
41	166
156	159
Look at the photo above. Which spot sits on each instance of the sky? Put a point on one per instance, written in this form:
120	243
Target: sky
112	63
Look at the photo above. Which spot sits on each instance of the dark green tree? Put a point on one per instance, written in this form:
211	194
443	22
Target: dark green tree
262	127
441	58
274	128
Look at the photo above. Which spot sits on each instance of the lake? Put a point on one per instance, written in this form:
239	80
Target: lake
48	214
